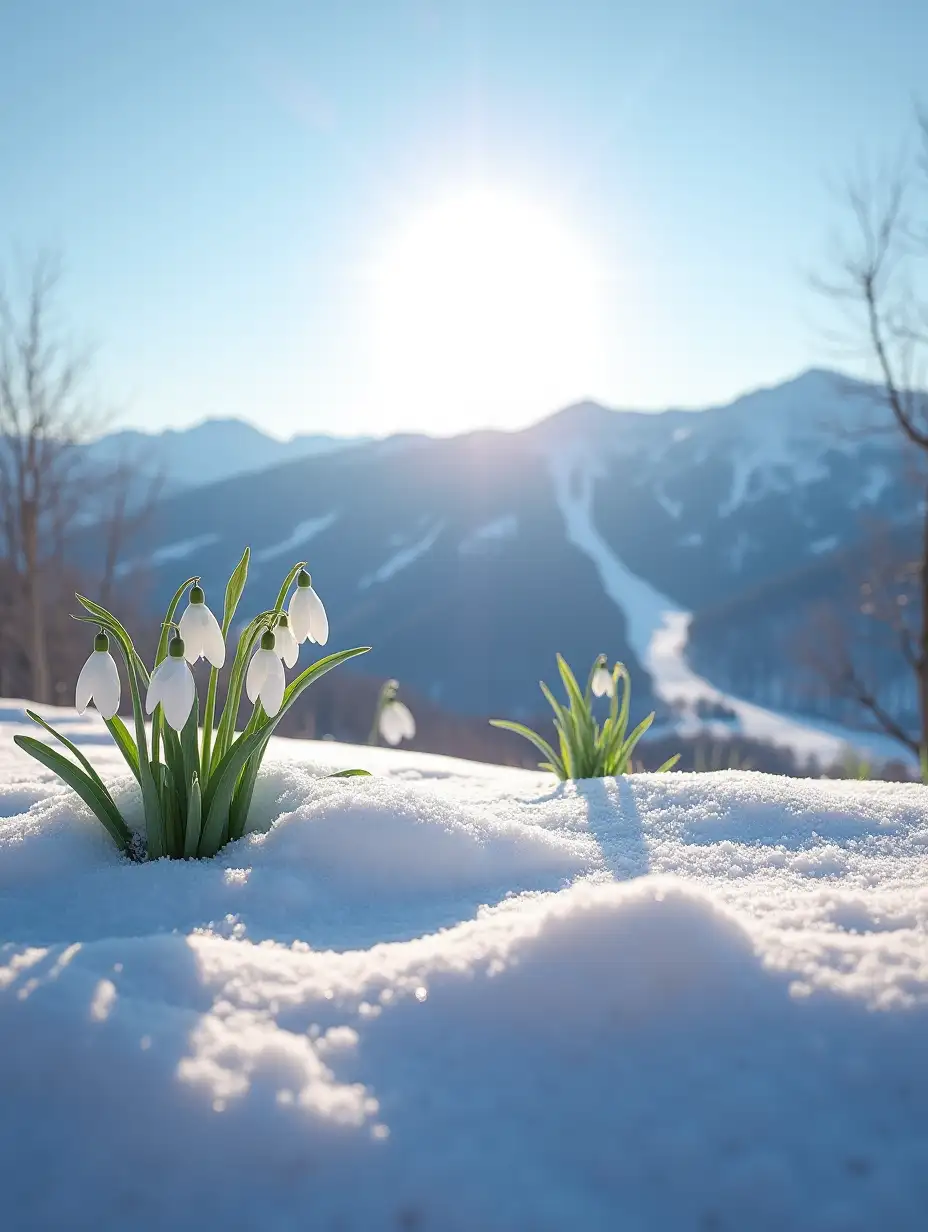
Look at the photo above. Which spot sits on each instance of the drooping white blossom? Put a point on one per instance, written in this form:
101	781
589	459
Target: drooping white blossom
396	722
98	681
201	631
602	683
172	685
265	680
308	620
287	646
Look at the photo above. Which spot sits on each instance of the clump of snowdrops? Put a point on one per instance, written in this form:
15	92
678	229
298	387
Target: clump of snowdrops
586	750
196	778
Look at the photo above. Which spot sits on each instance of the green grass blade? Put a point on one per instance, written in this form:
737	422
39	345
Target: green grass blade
98	801
349	774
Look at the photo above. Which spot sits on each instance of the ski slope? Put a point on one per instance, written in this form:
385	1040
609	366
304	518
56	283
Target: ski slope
657	631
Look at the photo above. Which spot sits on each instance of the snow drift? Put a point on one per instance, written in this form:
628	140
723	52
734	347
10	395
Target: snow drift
462	997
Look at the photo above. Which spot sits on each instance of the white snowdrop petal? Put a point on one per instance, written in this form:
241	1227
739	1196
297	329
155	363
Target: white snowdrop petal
318	621
407	723
390	724
272	689
107	690
300	613
178	693
191	630
155	686
257	670
214	647
602	685
287	647
85	684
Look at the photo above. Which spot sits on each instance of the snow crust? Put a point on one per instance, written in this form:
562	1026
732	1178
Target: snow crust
458	996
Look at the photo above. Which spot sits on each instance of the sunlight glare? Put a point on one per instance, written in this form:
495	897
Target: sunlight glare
485	314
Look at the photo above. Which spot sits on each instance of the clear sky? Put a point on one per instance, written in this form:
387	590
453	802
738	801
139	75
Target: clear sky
437	214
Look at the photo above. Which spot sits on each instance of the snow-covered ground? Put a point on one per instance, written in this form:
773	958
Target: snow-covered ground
462	997
658	631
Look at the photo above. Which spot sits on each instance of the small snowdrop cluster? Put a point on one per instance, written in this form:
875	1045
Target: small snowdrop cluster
196	779
587	750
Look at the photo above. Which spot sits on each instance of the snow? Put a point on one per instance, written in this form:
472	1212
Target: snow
403	558
301	534
464	997
827	543
179	550
481	539
657	631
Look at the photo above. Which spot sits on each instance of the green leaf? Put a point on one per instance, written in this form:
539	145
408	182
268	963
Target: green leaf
349	774
194	819
124	742
99	802
668	764
37	718
538	741
189	746
170	809
234	589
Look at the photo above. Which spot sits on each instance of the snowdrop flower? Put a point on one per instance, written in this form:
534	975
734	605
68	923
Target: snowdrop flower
99	680
602	682
287	647
265	681
172	685
308	620
396	722
201	632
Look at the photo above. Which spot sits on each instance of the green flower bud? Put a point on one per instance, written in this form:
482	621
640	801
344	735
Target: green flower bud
303	579
101	641
197	595
268	640
176	648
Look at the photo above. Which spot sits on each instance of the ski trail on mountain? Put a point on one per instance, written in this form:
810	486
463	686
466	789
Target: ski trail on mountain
658	630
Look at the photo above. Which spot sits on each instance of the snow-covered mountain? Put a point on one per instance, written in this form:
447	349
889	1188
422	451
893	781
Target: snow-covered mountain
467	562
209	451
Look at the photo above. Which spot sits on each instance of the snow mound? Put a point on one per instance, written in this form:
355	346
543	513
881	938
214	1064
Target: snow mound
461	997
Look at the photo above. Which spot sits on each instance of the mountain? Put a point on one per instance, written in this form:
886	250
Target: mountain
213	450
467	562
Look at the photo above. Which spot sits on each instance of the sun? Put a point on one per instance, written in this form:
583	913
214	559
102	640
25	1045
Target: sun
485	314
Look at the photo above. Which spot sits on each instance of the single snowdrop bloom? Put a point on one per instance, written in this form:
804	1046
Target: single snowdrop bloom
265	681
99	680
602	684
201	632
308	620
288	648
172	685
396	722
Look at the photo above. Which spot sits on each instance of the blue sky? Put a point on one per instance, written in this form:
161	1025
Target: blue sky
227	182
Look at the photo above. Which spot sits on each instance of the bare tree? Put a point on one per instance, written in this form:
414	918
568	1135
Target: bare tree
49	488
879	285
